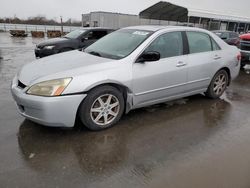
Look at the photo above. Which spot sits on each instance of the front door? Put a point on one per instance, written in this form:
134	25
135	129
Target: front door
163	79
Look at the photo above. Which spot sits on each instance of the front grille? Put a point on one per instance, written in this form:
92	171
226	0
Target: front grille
21	85
243	47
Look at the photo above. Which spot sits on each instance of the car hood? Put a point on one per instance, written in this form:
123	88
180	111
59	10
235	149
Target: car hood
245	36
54	66
52	42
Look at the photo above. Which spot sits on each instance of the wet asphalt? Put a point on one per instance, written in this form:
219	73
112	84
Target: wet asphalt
189	143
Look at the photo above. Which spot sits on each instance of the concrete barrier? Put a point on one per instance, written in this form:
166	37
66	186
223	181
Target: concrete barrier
53	33
18	33
37	34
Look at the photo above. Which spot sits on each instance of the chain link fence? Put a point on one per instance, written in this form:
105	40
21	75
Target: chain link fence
5	27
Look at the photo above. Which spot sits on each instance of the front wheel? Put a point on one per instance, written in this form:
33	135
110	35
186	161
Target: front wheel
218	85
102	108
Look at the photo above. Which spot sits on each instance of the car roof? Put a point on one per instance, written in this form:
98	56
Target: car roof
155	28
150	27
223	31
95	28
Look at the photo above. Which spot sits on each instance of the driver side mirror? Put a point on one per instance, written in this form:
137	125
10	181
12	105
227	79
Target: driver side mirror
149	57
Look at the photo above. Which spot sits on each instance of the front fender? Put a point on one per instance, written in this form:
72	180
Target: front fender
86	82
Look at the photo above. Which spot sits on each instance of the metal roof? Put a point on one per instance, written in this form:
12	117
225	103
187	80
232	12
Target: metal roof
172	12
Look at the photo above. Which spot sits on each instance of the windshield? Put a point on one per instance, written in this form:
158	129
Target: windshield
75	34
119	44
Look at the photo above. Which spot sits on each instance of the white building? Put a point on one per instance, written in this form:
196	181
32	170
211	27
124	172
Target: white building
118	20
165	13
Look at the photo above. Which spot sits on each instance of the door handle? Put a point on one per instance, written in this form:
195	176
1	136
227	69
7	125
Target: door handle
181	64
216	57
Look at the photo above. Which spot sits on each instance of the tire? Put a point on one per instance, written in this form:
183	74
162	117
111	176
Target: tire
102	108
218	85
242	65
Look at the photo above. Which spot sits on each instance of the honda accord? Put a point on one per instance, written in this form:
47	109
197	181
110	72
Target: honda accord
130	68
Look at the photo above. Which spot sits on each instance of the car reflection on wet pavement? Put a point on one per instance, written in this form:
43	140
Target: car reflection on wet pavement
191	142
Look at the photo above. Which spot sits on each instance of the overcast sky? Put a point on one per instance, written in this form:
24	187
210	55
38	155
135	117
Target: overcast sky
74	8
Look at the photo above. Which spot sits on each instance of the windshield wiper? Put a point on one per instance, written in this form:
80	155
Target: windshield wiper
95	53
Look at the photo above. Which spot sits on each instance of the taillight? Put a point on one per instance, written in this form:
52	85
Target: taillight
239	57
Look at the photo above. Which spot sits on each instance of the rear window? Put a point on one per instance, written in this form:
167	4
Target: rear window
234	35
222	35
215	45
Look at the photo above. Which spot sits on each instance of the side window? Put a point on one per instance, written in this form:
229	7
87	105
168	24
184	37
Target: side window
94	35
89	35
231	35
234	35
99	34
224	36
168	45
215	45
199	42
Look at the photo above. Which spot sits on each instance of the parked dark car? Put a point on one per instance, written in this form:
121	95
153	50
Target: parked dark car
231	38
245	49
77	39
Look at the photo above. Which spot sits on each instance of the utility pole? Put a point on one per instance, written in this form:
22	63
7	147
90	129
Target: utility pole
82	20
61	25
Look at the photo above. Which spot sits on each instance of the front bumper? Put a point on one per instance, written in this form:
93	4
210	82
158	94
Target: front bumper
44	52
245	57
50	111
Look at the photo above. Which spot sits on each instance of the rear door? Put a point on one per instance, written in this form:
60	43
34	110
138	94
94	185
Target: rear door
203	60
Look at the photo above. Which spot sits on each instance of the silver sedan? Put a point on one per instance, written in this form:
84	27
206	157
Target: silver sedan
131	68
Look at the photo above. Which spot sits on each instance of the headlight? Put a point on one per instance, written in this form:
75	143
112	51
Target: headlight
49	88
49	47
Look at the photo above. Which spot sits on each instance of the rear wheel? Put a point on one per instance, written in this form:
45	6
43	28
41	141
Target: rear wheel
102	108
218	85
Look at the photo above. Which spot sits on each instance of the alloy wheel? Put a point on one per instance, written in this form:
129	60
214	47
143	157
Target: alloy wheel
220	84
105	109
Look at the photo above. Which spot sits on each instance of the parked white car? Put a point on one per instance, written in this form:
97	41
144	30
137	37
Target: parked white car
131	68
